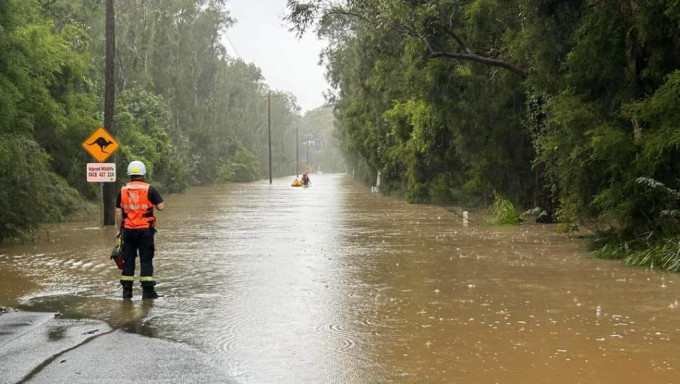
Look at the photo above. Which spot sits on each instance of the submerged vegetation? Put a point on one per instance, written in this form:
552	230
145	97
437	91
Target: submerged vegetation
503	212
658	248
555	104
662	253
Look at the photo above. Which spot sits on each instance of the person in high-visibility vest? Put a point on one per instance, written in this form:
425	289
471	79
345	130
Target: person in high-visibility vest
137	225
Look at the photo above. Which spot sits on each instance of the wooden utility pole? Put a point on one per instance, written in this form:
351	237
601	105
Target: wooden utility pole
269	125
297	152
108	189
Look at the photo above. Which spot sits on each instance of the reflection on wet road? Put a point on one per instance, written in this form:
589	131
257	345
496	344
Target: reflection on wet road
334	284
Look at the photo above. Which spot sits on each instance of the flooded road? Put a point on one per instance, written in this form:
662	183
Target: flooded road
333	284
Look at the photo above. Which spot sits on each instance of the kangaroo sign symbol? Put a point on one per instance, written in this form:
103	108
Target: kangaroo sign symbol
100	144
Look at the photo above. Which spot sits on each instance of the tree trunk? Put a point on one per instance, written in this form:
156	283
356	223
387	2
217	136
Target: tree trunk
543	196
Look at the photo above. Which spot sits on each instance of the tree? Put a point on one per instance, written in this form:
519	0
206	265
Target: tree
419	103
319	124
40	90
447	29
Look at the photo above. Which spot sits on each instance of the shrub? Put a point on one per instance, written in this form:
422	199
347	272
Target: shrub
503	212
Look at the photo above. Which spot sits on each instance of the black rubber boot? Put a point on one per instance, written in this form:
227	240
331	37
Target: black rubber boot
149	293
127	290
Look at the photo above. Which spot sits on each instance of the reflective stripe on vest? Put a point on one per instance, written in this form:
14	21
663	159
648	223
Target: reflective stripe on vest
134	200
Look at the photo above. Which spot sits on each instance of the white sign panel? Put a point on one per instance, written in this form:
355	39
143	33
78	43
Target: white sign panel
101	172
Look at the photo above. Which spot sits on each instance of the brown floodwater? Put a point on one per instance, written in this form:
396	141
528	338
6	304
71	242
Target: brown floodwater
335	284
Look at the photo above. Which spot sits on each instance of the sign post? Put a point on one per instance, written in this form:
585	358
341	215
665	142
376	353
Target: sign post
101	145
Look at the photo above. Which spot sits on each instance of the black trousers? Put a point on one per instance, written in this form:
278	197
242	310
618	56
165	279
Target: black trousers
134	241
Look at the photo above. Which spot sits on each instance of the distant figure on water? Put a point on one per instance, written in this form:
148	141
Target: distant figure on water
305	179
137	225
102	143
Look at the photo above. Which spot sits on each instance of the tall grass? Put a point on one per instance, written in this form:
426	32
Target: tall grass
659	254
658	248
503	212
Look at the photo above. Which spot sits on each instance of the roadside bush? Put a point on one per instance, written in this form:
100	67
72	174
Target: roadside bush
503	212
241	165
29	192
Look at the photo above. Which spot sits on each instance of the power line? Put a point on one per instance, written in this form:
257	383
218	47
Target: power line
232	46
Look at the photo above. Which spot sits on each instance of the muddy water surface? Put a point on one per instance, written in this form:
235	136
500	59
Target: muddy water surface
333	284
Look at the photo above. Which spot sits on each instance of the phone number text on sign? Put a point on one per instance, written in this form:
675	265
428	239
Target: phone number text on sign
101	172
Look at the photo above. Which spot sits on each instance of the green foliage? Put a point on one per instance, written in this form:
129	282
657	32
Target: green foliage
661	207
143	122
664	255
571	101
240	165
439	131
650	252
172	51
503	212
29	192
429	94
43	98
318	125
180	100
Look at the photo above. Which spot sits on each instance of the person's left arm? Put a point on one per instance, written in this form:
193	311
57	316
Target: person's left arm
156	199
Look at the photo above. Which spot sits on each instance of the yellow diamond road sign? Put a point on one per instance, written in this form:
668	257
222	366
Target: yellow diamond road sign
100	144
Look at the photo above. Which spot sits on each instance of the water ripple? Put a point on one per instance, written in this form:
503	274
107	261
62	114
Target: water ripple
338	332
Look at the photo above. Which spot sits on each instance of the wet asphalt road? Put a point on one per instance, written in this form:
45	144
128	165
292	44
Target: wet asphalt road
42	348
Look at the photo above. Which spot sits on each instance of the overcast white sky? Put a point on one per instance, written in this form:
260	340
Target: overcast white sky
288	64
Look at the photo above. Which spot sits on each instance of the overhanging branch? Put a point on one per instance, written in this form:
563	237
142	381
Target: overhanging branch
409	28
467	54
522	72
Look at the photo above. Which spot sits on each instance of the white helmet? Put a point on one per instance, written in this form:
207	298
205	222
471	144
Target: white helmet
136	168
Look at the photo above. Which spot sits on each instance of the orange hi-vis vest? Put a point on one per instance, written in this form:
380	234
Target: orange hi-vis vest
137	209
